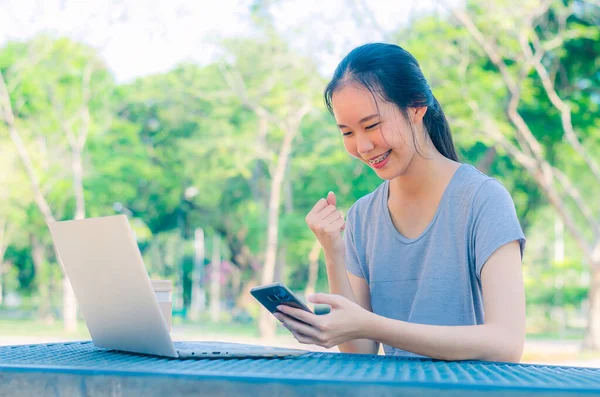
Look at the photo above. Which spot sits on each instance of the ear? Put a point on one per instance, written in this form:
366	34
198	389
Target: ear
417	114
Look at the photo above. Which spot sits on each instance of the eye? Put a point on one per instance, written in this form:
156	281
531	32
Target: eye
372	126
347	133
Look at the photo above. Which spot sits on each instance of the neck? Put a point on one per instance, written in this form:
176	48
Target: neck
423	175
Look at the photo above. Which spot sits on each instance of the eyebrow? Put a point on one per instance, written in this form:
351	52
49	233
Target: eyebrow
367	118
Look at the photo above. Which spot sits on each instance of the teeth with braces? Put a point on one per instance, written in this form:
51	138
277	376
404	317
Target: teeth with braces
379	158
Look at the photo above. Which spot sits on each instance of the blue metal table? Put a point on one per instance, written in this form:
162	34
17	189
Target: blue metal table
81	369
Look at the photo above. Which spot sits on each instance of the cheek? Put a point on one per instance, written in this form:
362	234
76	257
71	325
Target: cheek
396	138
350	146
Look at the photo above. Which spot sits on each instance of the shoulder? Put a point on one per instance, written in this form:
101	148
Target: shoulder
487	201
478	187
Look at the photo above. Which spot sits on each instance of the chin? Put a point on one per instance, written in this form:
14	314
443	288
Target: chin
387	175
392	170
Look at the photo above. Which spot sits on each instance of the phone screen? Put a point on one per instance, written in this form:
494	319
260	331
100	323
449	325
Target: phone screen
273	295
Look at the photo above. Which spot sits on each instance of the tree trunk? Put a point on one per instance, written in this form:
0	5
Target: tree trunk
289	193
69	305
69	300
256	185
39	257
78	183
26	161
280	264
559	240
236	282
266	321
215	280
1	281
198	294
290	126
179	240
487	160
559	256
3	246
313	268
592	336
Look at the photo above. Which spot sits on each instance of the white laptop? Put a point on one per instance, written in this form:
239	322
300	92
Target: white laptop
105	267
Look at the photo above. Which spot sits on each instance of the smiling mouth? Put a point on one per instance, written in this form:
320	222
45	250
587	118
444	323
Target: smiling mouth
380	158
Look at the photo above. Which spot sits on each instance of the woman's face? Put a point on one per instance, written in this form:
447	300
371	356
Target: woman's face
375	133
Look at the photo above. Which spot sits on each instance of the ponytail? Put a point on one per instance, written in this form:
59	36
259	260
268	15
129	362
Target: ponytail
439	130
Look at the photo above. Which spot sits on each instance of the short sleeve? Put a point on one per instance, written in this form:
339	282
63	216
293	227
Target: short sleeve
352	258
495	222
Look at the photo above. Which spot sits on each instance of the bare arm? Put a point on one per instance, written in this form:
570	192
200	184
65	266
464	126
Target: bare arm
500	338
355	289
327	223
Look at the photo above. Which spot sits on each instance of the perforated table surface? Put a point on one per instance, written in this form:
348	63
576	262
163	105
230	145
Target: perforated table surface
81	369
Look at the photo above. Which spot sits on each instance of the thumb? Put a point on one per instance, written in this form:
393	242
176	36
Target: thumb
331	198
327	299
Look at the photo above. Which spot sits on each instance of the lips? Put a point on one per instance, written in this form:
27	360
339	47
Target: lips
379	158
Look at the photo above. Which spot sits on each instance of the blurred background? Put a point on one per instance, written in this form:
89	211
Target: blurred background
204	123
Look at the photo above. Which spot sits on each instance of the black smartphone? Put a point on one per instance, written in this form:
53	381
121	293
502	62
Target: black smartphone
273	295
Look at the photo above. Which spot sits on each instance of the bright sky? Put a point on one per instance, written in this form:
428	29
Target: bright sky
141	37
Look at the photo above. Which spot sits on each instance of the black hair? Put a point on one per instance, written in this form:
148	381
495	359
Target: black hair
394	74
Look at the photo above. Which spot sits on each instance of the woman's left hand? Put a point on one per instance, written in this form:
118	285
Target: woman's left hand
345	321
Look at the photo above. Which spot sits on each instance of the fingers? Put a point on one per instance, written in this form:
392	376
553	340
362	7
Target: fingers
328	299
319	206
297	335
304	333
303	338
324	207
331	199
334	216
326	216
297	326
320	211
299	314
327	223
327	212
335	227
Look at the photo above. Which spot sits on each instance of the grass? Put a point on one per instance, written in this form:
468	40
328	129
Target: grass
190	330
575	335
39	328
227	329
557	356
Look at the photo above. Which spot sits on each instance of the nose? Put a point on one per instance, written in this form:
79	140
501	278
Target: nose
363	144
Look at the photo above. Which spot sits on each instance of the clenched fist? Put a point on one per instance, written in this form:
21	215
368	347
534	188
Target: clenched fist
327	223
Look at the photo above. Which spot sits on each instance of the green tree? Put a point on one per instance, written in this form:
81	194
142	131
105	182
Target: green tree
53	95
540	64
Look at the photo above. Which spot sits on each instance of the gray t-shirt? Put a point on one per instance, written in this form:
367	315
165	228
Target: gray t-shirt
434	278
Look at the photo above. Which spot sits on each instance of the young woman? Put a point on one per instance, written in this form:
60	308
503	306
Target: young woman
428	264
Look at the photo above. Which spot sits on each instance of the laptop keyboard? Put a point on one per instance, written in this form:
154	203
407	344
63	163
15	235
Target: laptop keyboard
205	346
